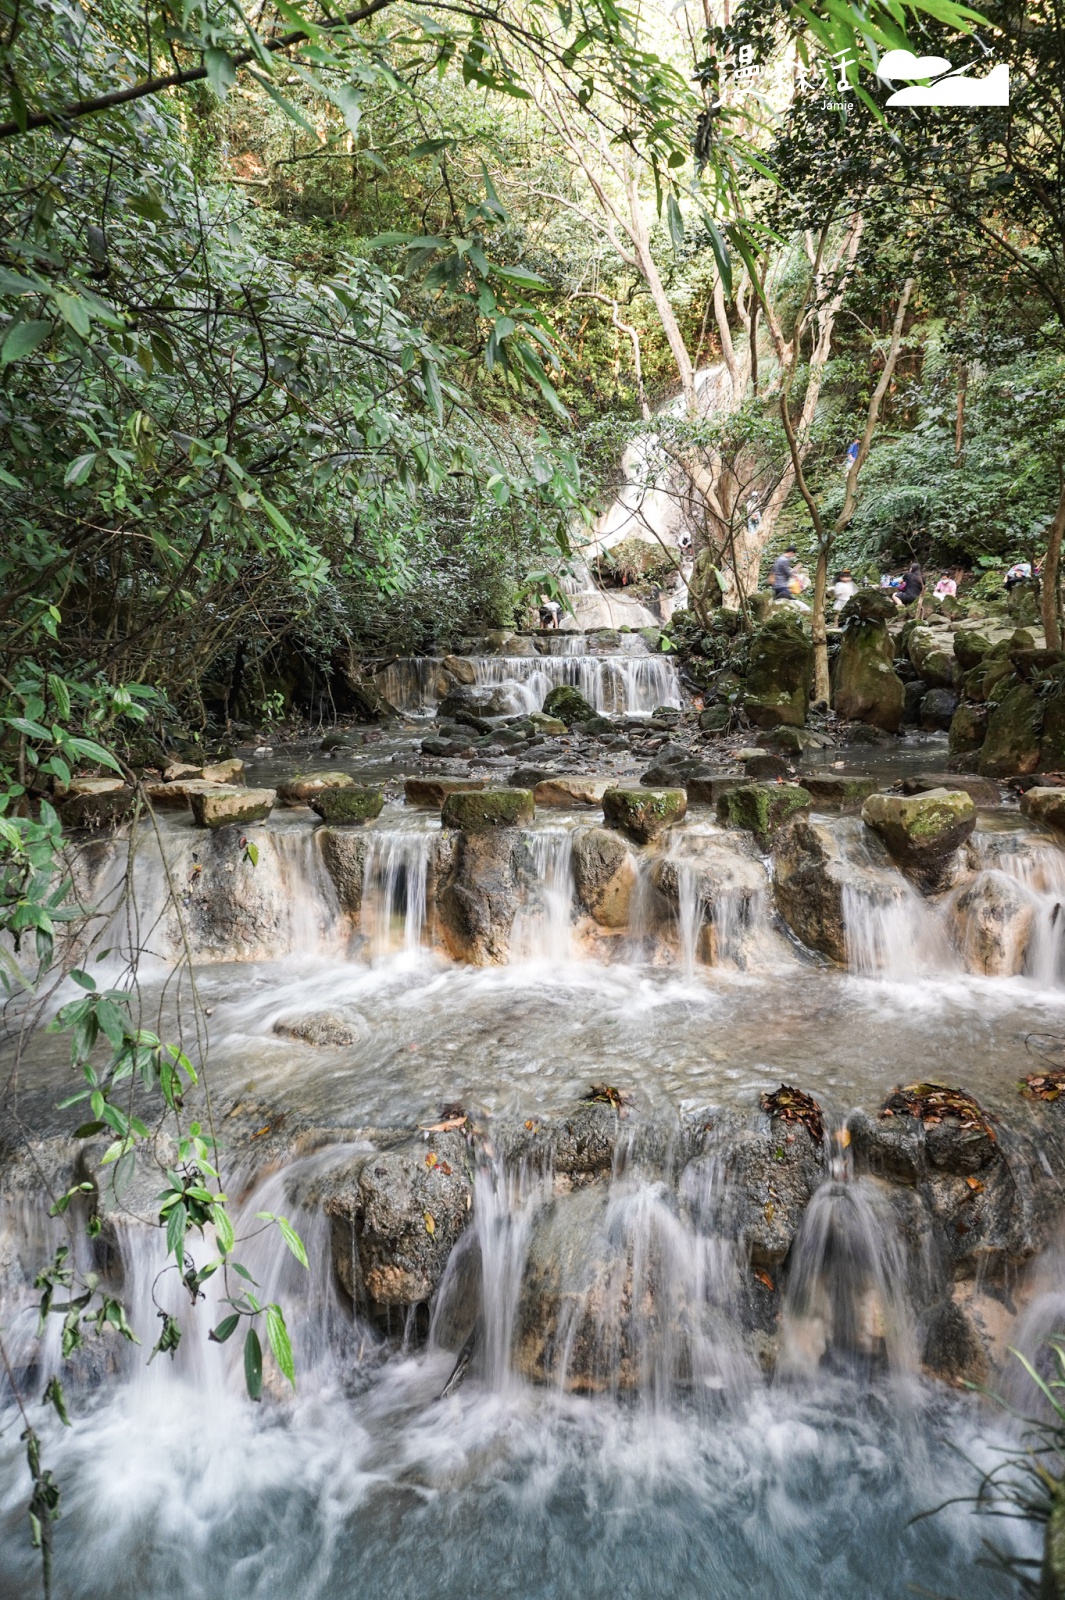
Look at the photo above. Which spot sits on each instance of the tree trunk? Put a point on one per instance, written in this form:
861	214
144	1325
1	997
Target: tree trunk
818	629
1051	575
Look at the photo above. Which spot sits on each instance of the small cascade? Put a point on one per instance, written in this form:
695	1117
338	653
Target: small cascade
846	1300
613	685
708	893
1011	919
394	890
543	928
894	935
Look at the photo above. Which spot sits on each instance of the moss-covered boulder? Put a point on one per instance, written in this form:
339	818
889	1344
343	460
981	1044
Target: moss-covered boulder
931	661
763	808
351	804
922	831
937	710
218	806
1014	733
781	672
475	812
643	813
838	791
968	727
1045	805
434	791
568	705
300	790
866	687
970	648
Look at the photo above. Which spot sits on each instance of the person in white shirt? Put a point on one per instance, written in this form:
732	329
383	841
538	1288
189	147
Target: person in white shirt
945	586
842	589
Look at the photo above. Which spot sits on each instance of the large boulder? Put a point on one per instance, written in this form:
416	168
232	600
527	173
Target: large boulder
922	831
480	892
781	670
486	700
569	705
1046	805
991	921
970	648
931	660
866	687
937	710
1014	732
968	728
813	878
299	791
474	811
219	806
643	813
762	808
604	872
353	803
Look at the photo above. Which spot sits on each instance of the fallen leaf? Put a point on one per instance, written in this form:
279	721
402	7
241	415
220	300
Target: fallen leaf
260	1131
431	1159
445	1169
764	1279
975	1185
442	1127
430	1223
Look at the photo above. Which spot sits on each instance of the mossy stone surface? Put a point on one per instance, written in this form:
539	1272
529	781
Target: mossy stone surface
568	705
970	648
866	687
968	728
763	808
1014	733
838	791
488	808
1045	805
434	791
643	813
922	830
350	804
781	672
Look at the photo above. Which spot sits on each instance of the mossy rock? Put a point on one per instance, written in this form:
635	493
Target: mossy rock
968	728
568	705
839	791
922	831
866	687
1052	742
643	813
1014	734
970	648
715	719
491	808
780	673
1045	805
350	804
298	791
763	808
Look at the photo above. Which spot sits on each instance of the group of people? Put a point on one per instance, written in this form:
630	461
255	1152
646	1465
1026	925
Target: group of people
788	581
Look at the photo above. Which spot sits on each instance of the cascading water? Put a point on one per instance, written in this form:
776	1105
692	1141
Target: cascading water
618	684
394	890
543	927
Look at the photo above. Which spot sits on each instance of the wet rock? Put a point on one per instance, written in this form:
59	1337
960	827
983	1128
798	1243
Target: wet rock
605	875
982	791
231	772
764	767
460	670
176	795
811	877
715	719
968	727
546	724
529	777
396	1215
480	892
1045	805
914	691
937	710
98	808
344	855
350	804
218	806
992	920
579	1143
923	831
1014	731
724	882
568	705
299	790
780	674
931	661
330	1028
970	648
498	700
434	791
838	791
709	790
762	808
675	774
767	1178
797	740
476	811
643	813
567	791
866	687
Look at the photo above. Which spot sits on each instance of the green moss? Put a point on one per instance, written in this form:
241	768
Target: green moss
491	808
348	805
643	813
763	808
569	705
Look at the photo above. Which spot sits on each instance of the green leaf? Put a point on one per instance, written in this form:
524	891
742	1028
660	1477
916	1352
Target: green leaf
22	339
223	1229
220	1334
675	221
53	1395
89	750
176	1226
221	73
79	469
288	1233
280	1343
431	381
74	312
253	1364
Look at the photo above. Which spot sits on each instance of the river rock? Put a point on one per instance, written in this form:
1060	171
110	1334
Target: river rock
724	882
765	1180
578	1143
434	791
970	648
715	719
396	1216
931	661
605	875
1045	805
231	772
344	855
488	700
567	791
643	813
811	878
866	687
178	770
968	728
474	811
299	790
838	791
98	807
922	831
764	767
992	920
459	670
708	790
762	808
349	804
330	1028
982	791
219	806
780	674
177	795
1014	731
568	705
480	891
937	710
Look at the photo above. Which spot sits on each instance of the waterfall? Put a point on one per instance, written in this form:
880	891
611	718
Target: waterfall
394	890
893	934
613	685
543	927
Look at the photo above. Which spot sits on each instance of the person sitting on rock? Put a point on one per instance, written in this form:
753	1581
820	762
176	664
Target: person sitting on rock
1020	572
911	588
946	586
780	577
